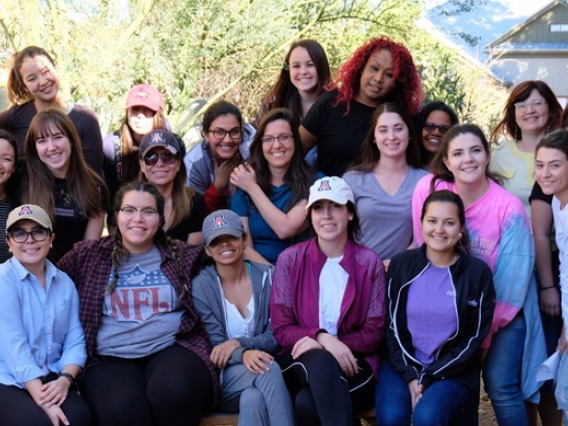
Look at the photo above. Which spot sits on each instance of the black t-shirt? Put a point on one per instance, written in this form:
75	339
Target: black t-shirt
17	121
340	136
537	194
193	222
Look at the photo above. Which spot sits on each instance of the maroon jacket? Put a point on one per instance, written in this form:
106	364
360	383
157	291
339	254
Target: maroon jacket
294	302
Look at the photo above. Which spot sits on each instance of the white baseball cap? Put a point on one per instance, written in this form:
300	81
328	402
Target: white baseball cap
331	188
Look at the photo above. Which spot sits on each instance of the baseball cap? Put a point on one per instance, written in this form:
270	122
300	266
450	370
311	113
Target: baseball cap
331	188
145	95
222	222
29	212
159	138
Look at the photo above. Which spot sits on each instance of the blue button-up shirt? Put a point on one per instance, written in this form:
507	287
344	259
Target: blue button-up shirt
39	327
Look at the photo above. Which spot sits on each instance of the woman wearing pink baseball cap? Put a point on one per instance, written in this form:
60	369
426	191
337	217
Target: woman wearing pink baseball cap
144	112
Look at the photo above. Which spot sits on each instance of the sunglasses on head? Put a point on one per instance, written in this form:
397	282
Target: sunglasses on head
152	158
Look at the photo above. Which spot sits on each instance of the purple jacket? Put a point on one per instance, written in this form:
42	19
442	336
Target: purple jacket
295	298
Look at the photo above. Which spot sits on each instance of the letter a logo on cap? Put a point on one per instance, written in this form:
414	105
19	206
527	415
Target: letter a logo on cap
25	210
324	186
157	138
219	222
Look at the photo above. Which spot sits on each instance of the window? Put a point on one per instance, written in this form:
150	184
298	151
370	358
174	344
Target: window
559	28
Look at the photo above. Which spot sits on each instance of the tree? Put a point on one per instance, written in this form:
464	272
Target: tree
212	49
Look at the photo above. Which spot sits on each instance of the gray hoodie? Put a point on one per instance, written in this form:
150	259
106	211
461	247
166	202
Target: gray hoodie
208	302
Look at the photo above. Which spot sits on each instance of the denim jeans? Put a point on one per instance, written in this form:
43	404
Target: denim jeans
442	402
502	373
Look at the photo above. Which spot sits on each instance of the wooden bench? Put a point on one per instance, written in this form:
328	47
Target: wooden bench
368	418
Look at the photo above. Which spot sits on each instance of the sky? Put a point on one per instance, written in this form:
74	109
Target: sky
487	22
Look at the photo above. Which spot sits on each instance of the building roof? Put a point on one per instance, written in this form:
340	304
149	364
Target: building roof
503	42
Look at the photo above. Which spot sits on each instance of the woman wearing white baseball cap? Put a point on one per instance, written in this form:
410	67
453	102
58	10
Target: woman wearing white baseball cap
328	311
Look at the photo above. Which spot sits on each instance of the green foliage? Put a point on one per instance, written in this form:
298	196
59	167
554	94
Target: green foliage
217	48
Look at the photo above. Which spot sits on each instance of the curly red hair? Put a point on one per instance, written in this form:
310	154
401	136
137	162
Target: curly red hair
407	90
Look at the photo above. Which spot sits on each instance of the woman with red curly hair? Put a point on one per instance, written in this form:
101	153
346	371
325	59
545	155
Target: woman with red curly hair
379	71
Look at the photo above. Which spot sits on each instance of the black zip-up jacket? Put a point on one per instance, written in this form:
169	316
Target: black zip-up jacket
475	300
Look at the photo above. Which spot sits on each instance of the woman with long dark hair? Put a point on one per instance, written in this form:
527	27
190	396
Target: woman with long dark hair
501	236
384	179
441	302
273	186
62	183
328	312
148	351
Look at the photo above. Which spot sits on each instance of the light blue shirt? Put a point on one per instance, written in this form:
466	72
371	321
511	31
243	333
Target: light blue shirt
39	328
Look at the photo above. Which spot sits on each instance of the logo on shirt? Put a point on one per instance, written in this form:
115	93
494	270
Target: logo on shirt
219	222
25	211
324	186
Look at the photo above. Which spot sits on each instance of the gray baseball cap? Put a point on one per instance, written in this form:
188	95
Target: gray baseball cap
222	222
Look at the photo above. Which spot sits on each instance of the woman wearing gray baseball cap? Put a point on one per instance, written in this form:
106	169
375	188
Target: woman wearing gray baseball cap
232	298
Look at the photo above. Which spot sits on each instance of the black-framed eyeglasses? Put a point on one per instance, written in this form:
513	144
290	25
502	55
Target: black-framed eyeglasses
147	212
37	234
283	139
220	134
151	159
443	129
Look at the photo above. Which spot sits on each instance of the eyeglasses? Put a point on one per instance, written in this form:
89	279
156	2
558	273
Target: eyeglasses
167	158
130	212
283	139
430	127
220	134
37	234
522	106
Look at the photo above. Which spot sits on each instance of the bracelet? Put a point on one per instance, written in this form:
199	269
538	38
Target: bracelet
69	377
546	288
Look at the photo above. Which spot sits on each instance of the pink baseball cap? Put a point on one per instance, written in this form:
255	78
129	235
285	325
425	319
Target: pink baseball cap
145	95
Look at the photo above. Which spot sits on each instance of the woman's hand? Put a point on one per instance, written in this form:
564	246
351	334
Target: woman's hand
244	177
55	414
304	345
340	352
256	361
55	392
221	353
416	390
222	171
550	301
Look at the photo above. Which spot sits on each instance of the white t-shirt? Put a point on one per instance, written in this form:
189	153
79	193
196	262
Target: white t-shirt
332	283
561	235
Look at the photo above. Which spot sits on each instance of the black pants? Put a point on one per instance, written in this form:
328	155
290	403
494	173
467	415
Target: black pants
169	388
17	408
322	395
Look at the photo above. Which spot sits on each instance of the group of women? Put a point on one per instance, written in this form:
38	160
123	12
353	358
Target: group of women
317	296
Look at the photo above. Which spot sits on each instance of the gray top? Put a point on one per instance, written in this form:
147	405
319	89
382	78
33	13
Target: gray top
385	220
142	315
208	302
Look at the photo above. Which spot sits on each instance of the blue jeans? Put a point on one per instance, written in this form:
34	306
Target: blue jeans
442	402
502	373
